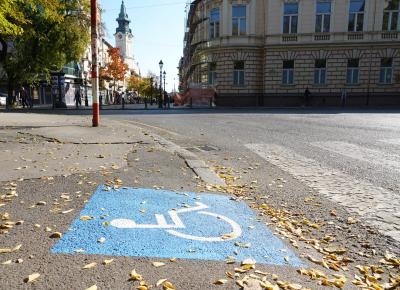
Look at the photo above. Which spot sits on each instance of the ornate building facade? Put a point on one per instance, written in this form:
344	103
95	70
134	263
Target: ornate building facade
268	52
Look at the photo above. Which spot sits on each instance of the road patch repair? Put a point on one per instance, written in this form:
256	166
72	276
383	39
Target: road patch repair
165	224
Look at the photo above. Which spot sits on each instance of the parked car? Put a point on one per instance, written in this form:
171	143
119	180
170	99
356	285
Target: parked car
3	99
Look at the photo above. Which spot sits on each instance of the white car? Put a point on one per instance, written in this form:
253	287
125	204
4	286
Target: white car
3	99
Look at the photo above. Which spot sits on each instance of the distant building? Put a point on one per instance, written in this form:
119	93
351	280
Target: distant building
124	40
267	52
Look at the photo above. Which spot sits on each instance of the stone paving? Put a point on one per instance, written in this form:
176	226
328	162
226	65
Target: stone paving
374	205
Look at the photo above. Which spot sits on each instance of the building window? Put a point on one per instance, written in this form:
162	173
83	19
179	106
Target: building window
320	72
288	72
238	73
352	71
323	17
290	17
212	73
391	16
214	23
356	15
386	73
239	20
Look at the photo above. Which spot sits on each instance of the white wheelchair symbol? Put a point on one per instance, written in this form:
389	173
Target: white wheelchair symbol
178	224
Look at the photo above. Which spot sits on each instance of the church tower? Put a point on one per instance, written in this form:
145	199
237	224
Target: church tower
124	39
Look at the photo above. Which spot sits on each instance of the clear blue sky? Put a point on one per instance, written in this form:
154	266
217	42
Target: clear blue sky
158	27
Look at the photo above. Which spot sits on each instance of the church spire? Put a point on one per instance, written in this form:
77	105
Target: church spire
122	14
123	20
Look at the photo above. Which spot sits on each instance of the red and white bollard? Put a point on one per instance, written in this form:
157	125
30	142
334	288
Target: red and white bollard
95	68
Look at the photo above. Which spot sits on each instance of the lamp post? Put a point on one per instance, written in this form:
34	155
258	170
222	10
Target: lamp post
167	99
161	64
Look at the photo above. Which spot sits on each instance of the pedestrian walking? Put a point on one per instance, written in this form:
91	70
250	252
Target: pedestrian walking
30	100
307	95
343	97
24	97
78	98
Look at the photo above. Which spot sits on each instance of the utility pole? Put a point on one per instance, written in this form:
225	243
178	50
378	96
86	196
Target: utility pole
95	68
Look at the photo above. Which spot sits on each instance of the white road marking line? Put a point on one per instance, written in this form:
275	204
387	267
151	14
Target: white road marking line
361	153
376	205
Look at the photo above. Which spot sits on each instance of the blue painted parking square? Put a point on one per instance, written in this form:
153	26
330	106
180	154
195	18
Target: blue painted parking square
166	224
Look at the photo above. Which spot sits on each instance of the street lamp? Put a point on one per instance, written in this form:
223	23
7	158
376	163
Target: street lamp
161	64
165	100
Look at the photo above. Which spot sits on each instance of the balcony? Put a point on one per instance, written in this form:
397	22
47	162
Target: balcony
322	37
355	36
289	38
390	35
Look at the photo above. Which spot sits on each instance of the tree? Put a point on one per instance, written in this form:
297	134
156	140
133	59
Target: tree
45	35
134	83
13	20
116	69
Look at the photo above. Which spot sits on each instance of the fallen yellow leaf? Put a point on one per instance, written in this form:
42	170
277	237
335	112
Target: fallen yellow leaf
168	286
221	282
106	262
31	277
94	287
86	218
7	262
135	276
89	266
158	264
56	235
160	282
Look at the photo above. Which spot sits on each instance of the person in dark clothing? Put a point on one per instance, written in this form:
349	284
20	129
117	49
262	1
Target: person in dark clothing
78	98
307	96
24	97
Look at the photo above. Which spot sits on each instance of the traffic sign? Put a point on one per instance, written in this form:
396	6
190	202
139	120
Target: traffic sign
166	224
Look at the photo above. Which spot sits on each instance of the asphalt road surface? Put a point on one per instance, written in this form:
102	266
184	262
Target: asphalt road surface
363	145
301	199
353	158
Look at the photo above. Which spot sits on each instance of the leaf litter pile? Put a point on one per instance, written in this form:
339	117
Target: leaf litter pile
333	266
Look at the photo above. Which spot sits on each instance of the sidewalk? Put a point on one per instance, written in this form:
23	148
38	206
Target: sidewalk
141	106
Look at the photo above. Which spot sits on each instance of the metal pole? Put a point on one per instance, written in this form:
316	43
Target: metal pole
95	68
160	102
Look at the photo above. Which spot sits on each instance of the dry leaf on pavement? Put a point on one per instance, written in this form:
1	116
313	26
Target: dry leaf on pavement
168	286
158	264
31	277
106	262
160	282
56	235
221	282
86	218
10	250
135	276
89	266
